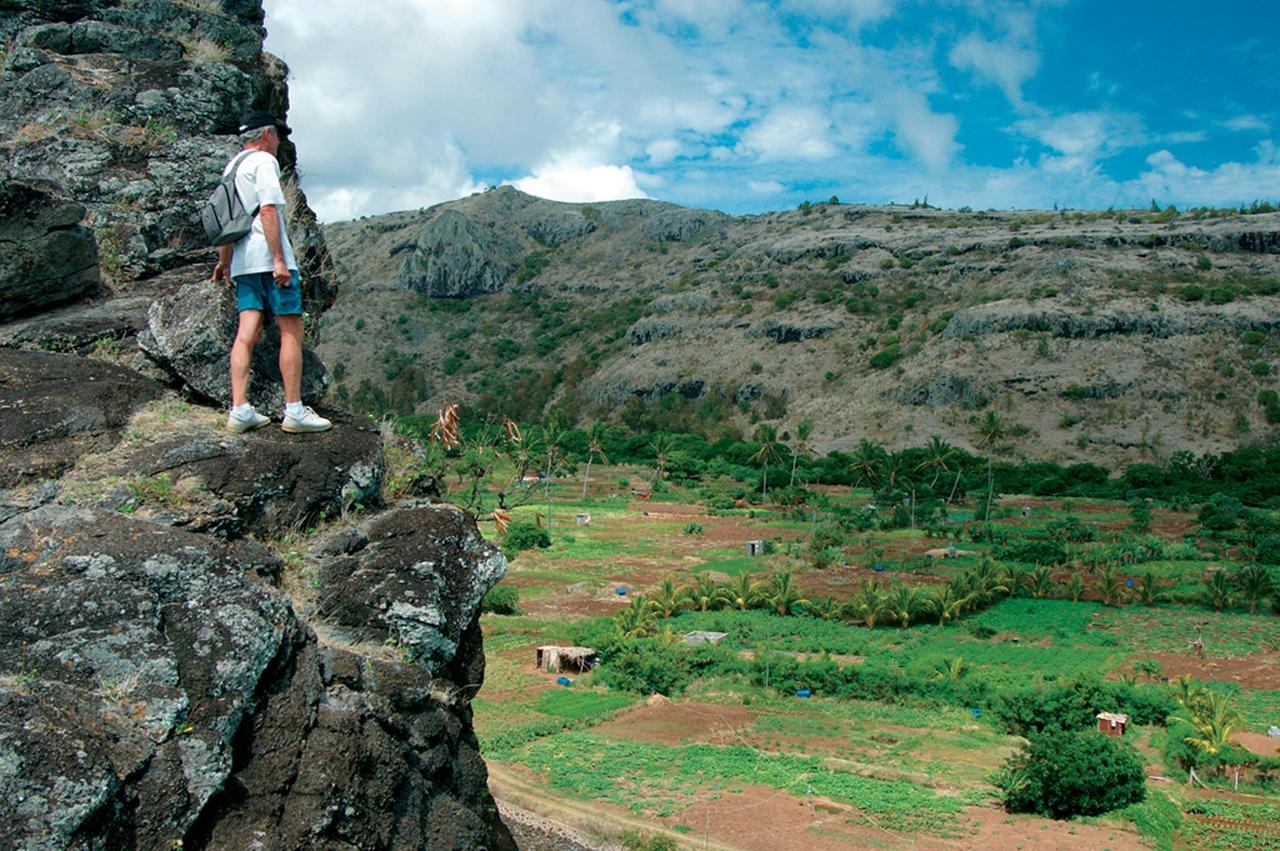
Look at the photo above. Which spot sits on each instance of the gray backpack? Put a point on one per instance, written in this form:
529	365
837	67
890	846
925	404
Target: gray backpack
224	216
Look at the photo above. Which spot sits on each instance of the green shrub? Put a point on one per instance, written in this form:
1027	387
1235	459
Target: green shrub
501	600
635	840
1221	513
1260	368
1063	774
886	357
645	666
525	535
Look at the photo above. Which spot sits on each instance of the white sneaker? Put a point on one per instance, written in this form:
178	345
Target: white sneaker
309	421
240	424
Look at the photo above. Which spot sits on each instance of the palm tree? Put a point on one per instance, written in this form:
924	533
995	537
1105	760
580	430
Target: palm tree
868	462
1075	588
984	583
952	669
1111	586
767	436
947	604
1213	717
1150	588
990	432
782	594
825	608
902	603
662	446
868	604
938	457
668	600
1016	578
1218	590
637	620
703	595
1040	583
1254	583
803	429
595	433
742	593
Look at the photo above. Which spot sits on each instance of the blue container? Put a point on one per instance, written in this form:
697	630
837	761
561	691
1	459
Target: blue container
977	713
879	567
622	592
1129	582
803	692
564	681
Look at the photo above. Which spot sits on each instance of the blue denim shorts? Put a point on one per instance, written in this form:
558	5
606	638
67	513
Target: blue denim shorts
259	292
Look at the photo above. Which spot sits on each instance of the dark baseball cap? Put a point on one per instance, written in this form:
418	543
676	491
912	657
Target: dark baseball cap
261	118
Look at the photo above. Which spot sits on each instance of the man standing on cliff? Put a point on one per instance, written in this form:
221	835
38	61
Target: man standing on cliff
265	273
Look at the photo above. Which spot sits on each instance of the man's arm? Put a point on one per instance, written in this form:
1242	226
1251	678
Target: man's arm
271	230
223	269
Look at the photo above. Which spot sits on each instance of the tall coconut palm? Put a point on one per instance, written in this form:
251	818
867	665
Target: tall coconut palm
938	455
867	464
804	428
990	432
782	595
661	446
768	453
595	434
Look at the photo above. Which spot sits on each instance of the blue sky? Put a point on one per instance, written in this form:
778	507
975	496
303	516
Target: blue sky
754	105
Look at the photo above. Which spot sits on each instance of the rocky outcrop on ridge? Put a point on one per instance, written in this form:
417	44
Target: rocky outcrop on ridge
166	679
46	256
189	332
1104	336
158	695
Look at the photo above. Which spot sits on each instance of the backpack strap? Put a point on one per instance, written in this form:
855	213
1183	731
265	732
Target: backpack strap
235	167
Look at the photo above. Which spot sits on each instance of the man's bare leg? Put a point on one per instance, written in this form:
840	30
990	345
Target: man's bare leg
291	356
247	334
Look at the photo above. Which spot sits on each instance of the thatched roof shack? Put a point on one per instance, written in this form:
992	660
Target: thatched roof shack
579	659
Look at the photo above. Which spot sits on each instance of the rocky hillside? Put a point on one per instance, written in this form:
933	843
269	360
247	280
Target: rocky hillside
206	640
1109	337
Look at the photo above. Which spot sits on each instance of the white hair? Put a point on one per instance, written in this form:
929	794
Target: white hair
254	134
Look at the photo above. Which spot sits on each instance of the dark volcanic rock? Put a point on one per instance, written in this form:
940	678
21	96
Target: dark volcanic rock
404	581
677	224
189	333
266	481
456	258
46	257
54	408
158	696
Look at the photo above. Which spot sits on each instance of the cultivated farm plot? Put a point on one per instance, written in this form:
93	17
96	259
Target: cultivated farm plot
824	772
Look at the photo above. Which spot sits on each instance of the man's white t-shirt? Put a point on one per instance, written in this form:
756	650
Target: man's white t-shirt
258	182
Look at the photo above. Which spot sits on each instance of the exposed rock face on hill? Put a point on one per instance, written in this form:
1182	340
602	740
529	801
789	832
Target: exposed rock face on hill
166	676
1112	337
131	110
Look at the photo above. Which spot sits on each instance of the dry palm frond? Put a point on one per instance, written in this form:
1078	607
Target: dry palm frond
513	430
501	518
445	429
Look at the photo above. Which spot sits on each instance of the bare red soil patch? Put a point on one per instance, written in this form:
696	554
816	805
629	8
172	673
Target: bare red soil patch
1259	743
1256	671
666	723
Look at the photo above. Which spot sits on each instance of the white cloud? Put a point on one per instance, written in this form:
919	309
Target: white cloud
925	134
765	187
661	151
1086	134
1004	63
789	133
570	180
1248	122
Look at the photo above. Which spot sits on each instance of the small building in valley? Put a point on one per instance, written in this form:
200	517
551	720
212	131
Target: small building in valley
555	659
1112	723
